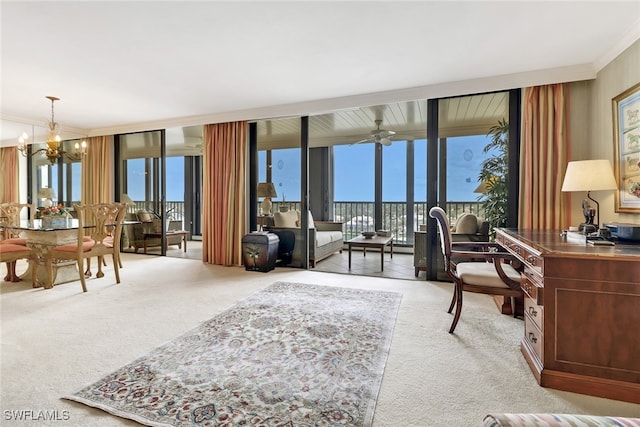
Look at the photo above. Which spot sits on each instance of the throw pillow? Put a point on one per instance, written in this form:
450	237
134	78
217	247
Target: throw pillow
144	216
311	223
287	219
467	224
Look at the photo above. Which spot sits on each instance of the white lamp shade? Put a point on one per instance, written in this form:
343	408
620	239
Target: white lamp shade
46	193
589	175
126	199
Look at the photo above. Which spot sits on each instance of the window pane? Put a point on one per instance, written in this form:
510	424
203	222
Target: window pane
354	173
286	174
464	161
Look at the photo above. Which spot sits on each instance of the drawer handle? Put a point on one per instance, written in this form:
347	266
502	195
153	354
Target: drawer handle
531	259
517	250
533	312
527	287
532	338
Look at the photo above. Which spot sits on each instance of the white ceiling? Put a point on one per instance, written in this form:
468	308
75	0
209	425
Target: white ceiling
129	66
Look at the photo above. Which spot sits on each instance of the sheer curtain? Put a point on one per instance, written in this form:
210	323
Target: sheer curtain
543	157
224	213
97	171
9	191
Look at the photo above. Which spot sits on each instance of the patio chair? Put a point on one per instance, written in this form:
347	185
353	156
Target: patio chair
482	267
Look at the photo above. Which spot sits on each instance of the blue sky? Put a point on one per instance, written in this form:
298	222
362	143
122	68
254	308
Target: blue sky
354	171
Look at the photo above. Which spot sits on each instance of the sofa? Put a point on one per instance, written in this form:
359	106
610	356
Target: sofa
325	237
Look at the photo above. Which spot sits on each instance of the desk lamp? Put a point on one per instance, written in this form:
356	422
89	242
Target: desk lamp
589	175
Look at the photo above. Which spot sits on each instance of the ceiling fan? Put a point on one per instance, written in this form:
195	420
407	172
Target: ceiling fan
381	136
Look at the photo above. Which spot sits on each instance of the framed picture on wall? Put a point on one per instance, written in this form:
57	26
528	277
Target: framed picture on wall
626	129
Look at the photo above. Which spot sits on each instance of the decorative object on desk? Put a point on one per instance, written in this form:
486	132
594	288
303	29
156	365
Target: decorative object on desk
53	151
589	175
368	234
626	129
268	191
253	365
48	194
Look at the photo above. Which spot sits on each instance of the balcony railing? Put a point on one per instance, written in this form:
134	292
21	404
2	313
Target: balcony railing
359	216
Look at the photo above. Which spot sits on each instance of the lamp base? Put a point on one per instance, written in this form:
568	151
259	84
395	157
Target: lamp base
587	228
266	206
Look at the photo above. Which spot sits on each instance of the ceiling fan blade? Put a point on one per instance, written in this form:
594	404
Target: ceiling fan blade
363	141
405	137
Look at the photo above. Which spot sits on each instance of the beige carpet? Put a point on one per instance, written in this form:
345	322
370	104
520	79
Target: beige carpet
55	341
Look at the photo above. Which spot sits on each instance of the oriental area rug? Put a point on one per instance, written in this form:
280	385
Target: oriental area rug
290	355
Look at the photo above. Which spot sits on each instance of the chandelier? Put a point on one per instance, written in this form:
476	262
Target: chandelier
53	150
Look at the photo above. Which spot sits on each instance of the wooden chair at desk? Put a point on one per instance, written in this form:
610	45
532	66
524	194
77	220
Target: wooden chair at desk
484	272
99	232
11	215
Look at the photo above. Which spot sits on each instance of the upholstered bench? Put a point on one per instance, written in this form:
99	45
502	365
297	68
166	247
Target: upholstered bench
557	420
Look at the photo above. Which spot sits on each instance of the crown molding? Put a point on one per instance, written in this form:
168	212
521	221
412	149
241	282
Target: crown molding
631	36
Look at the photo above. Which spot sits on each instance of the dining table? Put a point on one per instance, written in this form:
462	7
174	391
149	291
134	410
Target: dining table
41	237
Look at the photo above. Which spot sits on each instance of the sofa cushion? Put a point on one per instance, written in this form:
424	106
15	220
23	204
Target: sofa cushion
323	238
311	223
466	224
287	219
144	216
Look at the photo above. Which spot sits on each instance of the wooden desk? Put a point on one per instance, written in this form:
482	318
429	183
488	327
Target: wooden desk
582	313
376	242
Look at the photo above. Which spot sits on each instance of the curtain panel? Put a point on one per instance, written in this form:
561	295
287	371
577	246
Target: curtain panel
224	210
543	158
9	190
97	171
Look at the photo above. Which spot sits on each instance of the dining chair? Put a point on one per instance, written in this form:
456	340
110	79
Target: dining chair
10	214
99	232
10	253
481	267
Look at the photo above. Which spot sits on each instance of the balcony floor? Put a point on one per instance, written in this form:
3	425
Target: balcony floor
398	267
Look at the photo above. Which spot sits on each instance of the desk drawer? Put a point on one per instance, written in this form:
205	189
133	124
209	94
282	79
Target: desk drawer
533	336
532	288
534	312
528	256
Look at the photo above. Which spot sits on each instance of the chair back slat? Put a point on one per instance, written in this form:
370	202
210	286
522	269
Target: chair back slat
445	233
11	214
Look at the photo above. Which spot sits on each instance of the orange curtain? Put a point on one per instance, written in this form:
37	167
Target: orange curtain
224	214
9	191
97	171
543	157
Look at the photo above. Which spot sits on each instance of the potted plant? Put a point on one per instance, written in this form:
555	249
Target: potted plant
493	175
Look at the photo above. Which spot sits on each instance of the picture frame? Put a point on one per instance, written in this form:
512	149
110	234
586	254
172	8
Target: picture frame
626	139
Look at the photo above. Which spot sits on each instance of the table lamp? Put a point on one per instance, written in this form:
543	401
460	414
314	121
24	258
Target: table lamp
268	191
589	175
124	198
48	195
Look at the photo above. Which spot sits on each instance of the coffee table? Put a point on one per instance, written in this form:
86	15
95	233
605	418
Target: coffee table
376	242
